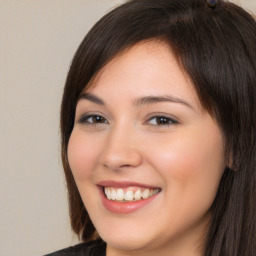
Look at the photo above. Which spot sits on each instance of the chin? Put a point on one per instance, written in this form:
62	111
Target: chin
127	243
126	239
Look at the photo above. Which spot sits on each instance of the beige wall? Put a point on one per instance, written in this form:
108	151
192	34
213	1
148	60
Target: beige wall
38	40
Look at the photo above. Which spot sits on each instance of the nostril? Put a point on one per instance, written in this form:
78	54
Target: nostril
126	165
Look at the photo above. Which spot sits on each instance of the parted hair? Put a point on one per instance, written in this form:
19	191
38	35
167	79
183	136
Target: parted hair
216	46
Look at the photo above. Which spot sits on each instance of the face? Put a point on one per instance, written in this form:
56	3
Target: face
146	157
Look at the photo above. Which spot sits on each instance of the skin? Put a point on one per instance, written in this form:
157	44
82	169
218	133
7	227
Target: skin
182	153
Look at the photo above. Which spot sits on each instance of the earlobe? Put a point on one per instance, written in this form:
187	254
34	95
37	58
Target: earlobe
229	168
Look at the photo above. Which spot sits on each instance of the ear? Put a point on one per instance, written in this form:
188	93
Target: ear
230	161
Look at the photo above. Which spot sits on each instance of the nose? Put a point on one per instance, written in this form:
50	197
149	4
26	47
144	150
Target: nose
121	149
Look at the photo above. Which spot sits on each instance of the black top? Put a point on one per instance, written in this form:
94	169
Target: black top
92	248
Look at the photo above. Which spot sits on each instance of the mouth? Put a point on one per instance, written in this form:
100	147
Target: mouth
126	197
129	194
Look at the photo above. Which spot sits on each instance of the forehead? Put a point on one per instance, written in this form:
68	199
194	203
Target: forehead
148	67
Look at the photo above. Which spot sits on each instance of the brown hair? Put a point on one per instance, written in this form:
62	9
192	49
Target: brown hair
216	45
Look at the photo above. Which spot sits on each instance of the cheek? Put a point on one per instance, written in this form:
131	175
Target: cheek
191	165
82	153
189	157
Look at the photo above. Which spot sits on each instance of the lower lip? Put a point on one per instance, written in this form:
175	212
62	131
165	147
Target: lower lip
124	208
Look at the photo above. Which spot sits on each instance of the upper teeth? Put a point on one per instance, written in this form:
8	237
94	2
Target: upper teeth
129	194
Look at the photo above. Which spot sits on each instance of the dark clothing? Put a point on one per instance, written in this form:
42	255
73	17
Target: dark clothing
92	248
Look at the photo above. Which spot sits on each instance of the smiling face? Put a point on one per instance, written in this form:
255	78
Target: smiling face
146	157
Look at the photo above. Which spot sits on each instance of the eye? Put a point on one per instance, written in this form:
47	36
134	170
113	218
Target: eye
161	121
93	119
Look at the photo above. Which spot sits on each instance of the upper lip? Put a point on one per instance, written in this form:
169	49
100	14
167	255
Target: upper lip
123	184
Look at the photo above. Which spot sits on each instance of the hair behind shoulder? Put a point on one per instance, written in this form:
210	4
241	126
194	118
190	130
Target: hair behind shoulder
217	48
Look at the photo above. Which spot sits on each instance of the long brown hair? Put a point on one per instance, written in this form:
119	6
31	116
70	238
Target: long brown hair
216	45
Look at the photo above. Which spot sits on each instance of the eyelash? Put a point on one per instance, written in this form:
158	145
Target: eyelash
160	120
84	120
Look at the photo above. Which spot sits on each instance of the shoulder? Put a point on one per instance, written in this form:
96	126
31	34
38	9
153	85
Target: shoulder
92	248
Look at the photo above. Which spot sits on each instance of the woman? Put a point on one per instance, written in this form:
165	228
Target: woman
158	131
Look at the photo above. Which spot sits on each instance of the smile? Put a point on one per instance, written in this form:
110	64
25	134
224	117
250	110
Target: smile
127	197
129	194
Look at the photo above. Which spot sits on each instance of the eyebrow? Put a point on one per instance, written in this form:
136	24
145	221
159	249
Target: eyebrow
148	100
92	98
139	102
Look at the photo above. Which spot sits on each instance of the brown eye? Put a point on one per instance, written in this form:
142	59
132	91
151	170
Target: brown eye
93	119
161	120
97	119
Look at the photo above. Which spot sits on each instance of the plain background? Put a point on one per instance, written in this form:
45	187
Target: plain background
38	39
